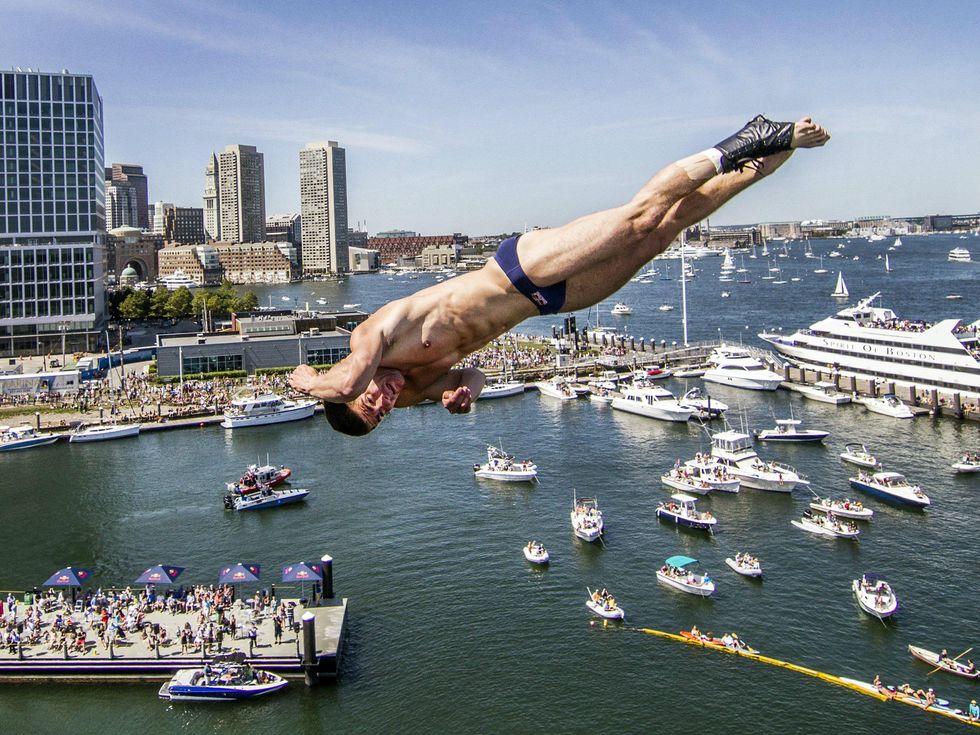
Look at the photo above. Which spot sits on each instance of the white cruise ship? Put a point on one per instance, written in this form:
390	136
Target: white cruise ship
959	255
871	342
266	409
176	280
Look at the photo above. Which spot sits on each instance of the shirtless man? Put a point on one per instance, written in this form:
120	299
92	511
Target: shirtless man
404	352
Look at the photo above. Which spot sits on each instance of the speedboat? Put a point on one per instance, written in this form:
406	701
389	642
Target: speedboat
586	518
601	395
501	466
745	564
684	479
674	574
653	402
733	450
858	454
887	405
708	470
666	307
681	509
891	486
787	430
969	462
258	497
654	372
826	525
622	309
502	389
266	409
24	437
736	367
227	678
824	392
945	663
843	507
535	553
604	605
704	405
875	595
267	474
103	432
558	387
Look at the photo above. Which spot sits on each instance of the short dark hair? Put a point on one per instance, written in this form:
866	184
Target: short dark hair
346	420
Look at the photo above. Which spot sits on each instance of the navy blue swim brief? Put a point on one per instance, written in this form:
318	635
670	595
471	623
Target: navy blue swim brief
548	299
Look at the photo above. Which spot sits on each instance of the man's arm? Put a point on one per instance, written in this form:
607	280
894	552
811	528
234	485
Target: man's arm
457	389
350	377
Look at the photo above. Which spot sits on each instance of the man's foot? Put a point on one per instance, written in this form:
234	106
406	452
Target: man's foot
761	137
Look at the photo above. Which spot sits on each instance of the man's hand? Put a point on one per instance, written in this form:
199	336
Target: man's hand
459	400
303	378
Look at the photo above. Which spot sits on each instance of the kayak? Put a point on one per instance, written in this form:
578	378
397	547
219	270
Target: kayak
711	642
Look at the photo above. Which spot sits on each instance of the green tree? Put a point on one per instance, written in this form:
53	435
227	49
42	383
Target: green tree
115	299
248	302
158	303
135	306
180	304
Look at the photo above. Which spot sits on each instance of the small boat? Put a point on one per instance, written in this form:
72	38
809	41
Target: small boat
826	525
824	392
745	564
728	642
969	462
601	394
558	387
266	409
653	373
715	475
255	475
891	486
705	406
227	678
840	291
674	574
535	553
502	466
843	507
682	510
501	389
351	306
685	480
858	454
693	372
886	405
666	307
788	430
24	437
604	605
103	432
259	497
953	297
622	309
943	662
587	522
875	595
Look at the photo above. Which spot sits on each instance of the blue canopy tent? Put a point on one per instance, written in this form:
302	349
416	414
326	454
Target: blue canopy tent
680	561
160	574
239	573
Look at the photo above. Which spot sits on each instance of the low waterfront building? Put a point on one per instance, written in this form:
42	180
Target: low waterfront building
363	260
440	256
403	249
255	262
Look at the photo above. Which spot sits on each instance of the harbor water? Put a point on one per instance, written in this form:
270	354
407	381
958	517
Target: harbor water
451	630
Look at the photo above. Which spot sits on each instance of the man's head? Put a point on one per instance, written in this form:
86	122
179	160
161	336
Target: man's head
364	413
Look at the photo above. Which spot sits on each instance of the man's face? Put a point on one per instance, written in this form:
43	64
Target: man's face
381	394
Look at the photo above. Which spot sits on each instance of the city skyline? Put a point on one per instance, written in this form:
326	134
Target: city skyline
527	114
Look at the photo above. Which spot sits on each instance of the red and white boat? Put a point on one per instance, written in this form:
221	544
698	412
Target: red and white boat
255	476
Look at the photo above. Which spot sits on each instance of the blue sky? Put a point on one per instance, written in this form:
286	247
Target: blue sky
484	117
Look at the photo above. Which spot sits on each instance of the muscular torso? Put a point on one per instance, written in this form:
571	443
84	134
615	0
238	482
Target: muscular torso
425	334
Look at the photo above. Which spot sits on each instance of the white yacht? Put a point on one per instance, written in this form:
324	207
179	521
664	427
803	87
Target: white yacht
653	402
622	309
959	255
24	437
103	432
824	392
886	405
733	450
870	343
266	409
502	466
177	279
501	389
734	366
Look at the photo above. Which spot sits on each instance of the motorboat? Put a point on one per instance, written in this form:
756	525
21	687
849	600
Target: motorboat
604	605
745	564
858	454
682	510
705	468
684	479
826	525
887	405
655	372
943	662
103	432
266	474
587	522
259	497
788	430
228	678
602	395
959	255
736	367
502	466
622	309
969	462
558	387
535	553
675	574
890	486
666	307
651	401
875	595
843	507
704	405
266	409
733	450
825	392
501	389
24	437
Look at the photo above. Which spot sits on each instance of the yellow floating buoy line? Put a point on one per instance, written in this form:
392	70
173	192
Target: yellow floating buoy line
852	684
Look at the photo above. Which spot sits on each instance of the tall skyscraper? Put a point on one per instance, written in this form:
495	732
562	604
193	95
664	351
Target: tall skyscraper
160	210
241	192
121	207
52	212
132	174
212	200
323	207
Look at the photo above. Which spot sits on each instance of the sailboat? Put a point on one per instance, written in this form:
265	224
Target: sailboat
807	250
888	268
897	243
841	291
821	269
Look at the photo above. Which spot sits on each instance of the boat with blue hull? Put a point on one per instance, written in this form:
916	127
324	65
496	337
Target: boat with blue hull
260	496
24	437
227	679
891	486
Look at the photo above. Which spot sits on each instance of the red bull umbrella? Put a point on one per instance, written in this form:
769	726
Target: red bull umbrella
160	574
304	571
69	577
239	573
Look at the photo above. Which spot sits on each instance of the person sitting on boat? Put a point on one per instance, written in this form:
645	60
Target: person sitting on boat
973	711
970	667
727	640
943	656
695	631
